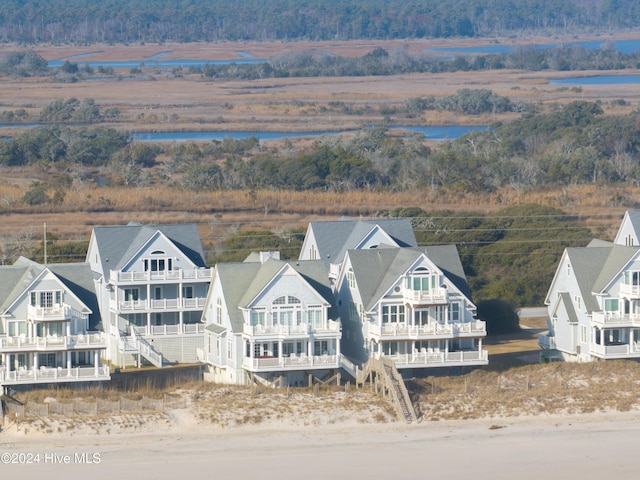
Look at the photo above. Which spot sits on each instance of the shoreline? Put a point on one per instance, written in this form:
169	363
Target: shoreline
512	447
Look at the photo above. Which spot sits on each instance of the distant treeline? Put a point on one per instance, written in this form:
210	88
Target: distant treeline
121	21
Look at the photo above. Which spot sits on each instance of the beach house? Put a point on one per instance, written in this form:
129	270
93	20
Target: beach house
411	305
329	241
594	300
270	321
152	283
49	325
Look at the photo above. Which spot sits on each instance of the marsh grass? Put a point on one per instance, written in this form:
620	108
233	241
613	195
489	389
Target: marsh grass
531	390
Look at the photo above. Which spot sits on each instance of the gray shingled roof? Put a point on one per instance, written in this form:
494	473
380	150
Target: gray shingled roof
565	299
377	270
77	277
595	266
335	238
117	244
242	282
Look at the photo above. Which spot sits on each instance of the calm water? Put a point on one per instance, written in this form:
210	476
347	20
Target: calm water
622	46
449	132
598	80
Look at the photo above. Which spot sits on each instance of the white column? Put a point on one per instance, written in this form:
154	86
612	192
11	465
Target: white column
68	354
96	362
36	365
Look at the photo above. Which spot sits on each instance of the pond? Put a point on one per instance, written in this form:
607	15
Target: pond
598	80
446	132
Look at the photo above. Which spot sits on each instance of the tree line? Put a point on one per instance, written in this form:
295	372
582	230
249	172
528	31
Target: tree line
576	144
122	21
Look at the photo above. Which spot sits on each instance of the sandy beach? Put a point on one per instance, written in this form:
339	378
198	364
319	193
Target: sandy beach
545	446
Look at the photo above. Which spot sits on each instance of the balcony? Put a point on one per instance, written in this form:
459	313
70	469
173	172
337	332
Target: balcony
25	376
55	313
616	320
293	362
430	331
95	340
167	276
546	341
162	330
433	296
302	330
163	305
617	351
430	359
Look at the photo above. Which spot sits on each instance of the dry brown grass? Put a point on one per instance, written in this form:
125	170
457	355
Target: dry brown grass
531	390
223	212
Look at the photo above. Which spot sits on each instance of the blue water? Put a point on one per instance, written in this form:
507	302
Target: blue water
622	46
447	132
599	80
151	62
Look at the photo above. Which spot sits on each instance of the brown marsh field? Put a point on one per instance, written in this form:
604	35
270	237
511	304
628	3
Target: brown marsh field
170	101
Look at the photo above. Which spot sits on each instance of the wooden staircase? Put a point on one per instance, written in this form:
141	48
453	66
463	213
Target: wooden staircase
382	373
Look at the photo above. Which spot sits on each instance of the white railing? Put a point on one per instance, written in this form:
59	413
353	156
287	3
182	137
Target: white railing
616	319
91	340
331	326
291	362
166	275
615	351
56	313
431	296
546	341
435	358
630	290
348	366
165	304
476	328
47	375
184	329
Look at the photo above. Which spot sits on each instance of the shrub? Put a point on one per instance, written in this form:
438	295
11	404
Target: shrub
501	316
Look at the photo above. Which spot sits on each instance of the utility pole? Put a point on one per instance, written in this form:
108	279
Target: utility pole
45	243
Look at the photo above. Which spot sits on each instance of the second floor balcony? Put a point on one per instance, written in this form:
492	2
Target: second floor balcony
90	340
301	330
162	305
615	319
55	313
166	276
433	330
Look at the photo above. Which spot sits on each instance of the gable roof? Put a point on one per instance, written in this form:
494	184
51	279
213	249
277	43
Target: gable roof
564	300
334	238
76	277
632	218
117	244
595	266
377	270
242	282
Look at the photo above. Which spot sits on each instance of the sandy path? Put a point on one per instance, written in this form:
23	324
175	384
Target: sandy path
586	447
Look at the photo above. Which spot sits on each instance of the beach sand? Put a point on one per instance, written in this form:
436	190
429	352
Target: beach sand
586	446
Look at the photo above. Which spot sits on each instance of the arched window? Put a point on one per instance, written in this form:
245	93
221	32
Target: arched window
286	310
